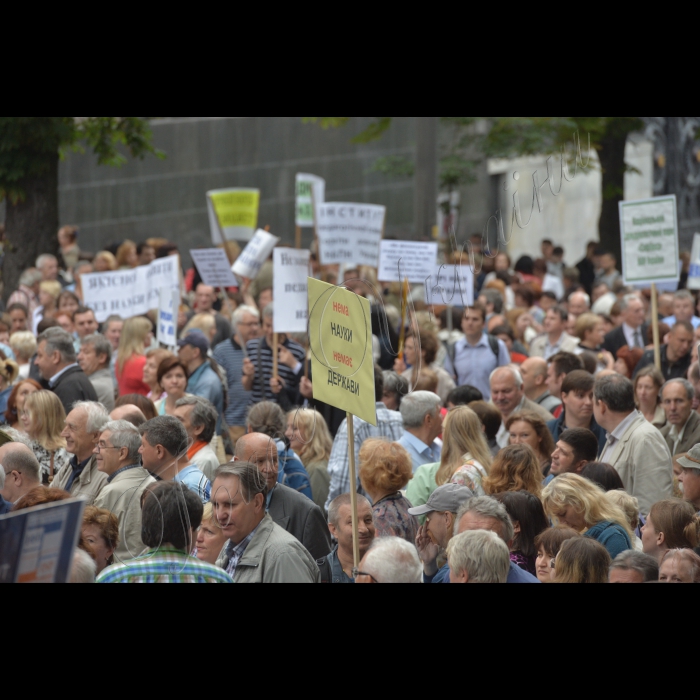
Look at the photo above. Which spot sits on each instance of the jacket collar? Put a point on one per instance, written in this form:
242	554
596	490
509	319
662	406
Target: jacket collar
256	549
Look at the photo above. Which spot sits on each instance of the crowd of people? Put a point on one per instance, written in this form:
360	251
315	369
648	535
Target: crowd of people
527	438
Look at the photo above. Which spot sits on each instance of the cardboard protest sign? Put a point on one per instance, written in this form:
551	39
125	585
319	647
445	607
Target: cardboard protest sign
416	261
129	293
233	214
214	267
350	234
310	190
38	544
292	290
340	334
450	285
694	274
650	241
168	311
252	259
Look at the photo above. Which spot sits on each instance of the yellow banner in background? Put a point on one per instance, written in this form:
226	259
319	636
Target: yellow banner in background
340	333
237	208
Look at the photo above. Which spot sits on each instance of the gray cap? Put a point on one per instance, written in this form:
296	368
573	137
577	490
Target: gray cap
446	499
692	459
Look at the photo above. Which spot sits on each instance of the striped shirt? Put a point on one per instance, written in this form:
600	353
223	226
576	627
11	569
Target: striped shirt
230	356
260	354
196	482
164	566
235	552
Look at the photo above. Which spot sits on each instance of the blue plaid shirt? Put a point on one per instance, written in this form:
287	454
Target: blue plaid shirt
235	552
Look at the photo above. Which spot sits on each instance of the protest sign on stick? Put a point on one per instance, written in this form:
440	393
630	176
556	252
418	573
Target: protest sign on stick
254	256
291	289
168	311
650	243
350	234
694	274
450	285
310	190
214	267
233	214
417	261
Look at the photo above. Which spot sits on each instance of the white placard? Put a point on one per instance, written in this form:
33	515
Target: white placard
252	259
694	275
310	190
168	311
214	267
649	229
291	290
350	234
129	293
443	289
416	261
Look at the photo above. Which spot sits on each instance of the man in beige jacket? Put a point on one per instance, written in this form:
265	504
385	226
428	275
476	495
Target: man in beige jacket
555	338
635	447
117	456
258	551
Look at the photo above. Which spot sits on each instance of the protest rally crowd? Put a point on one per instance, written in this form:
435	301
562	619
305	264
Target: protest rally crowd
526	438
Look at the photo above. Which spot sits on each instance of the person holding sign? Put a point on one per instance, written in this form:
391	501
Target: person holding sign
259	367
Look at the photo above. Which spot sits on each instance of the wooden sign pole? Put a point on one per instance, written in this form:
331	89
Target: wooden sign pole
655	326
353	497
298	237
275	355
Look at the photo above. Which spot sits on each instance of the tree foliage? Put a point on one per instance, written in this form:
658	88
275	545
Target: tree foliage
29	146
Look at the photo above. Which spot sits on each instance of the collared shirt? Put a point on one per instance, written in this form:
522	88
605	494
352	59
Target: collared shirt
677	436
78	469
634	337
389	425
617	435
196	482
551	350
474	364
420	452
671	321
110	479
338	575
235	552
166	565
54	380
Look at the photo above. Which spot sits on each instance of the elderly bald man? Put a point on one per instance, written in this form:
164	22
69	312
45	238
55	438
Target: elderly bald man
22	472
534	374
289	509
130	413
508	395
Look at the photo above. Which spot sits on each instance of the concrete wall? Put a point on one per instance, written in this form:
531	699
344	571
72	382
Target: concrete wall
167	197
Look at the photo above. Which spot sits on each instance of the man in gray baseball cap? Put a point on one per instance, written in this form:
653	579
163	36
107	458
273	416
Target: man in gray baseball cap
690	476
441	511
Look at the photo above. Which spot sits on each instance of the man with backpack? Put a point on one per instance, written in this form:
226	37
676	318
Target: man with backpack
473	359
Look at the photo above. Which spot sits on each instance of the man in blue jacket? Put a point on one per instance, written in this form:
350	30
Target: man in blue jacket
204	381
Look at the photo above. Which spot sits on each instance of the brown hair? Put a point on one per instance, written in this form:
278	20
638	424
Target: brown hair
427	381
11	415
267	418
583	560
168	365
428	344
516	468
678	521
579	380
585	324
539	426
148	408
41	496
385	466
463	440
478	307
490	418
654	375
631	357
107	524
551	541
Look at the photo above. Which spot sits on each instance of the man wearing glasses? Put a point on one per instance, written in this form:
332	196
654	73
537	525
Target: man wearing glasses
117	455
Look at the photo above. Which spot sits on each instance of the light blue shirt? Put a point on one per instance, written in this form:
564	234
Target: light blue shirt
9	354
474	364
196	482
671	321
420	452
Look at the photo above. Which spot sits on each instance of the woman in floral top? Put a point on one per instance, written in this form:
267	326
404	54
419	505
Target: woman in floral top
43	419
385	469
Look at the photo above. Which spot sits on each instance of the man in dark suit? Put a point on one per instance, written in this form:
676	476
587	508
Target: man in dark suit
633	331
58	365
292	511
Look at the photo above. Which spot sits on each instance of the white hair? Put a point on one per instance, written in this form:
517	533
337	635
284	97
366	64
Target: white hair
515	372
84	568
391	560
584	296
242	311
482	555
416	406
43	259
97	416
125	434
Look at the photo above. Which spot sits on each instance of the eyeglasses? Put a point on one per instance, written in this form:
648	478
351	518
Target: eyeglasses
101	448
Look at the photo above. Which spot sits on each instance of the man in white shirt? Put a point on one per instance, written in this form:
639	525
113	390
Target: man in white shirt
422	420
555	339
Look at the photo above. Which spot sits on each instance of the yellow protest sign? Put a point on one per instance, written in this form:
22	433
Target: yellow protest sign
233	214
340	333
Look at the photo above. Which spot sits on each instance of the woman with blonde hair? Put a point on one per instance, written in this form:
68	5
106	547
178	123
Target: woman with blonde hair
647	393
466	458
9	371
131	358
127	257
311	440
527	428
105	262
385	469
572	501
154	359
629	505
516	468
672	524
23	344
210	537
206	323
49	292
43	420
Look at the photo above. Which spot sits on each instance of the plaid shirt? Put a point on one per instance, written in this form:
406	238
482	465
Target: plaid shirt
389	425
234	553
164	566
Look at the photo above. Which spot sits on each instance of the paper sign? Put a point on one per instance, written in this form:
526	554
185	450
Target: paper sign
254	256
650	241
233	214
310	190
168	312
340	333
416	261
694	275
292	290
214	267
450	285
38	544
129	293
350	233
